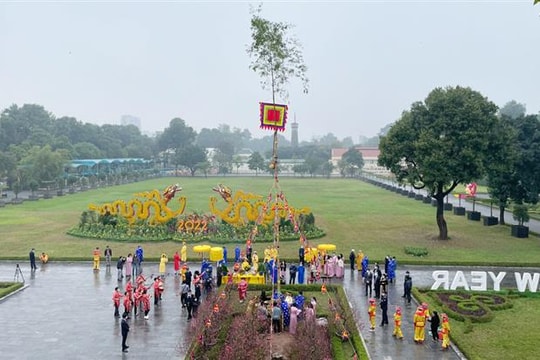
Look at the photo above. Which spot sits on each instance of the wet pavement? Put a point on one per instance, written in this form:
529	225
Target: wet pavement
66	312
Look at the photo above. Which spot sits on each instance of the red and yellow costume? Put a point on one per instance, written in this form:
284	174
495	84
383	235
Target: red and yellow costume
445	332
419	321
397	324
372	309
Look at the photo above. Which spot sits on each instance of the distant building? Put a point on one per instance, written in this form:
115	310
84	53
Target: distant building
130	120
370	156
294	133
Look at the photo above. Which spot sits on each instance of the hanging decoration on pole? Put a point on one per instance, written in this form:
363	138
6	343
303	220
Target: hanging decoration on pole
273	116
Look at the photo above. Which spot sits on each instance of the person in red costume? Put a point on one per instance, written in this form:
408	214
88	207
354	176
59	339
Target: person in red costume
129	290
242	289
145	299
127	304
138	295
116	297
176	259
158	289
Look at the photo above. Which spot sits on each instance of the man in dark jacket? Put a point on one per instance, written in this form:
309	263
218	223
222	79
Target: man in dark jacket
120	267
384	307
352	258
125	330
407	287
32	256
292	274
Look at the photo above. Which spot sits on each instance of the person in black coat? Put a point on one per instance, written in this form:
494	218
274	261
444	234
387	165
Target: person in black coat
190	299
435	322
32	256
352	258
292	274
384	307
407	287
125	330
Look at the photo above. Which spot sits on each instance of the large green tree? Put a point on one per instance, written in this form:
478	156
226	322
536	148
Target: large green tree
442	142
256	162
45	166
513	109
176	136
501	165
526	175
191	156
18	124
351	162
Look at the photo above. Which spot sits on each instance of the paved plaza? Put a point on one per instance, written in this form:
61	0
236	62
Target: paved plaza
66	312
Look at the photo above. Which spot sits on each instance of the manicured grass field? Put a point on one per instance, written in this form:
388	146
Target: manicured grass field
355	215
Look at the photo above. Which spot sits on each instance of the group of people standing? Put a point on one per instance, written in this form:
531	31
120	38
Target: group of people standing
439	326
283	312
131	265
43	257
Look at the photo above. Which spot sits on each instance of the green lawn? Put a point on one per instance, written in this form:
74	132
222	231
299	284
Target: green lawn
353	214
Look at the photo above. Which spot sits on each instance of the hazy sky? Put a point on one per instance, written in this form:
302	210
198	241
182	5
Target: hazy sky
368	60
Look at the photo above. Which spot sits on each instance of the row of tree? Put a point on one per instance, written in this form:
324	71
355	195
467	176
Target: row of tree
457	136
35	147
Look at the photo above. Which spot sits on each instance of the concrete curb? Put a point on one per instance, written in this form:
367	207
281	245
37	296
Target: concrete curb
358	328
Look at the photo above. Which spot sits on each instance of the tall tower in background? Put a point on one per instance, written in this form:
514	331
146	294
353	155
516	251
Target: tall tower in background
130	120
294	133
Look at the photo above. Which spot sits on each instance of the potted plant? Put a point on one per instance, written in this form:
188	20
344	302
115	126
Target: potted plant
474	215
447	205
459	210
520	213
491	220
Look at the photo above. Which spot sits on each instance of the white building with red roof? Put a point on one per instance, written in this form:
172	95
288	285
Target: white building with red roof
370	156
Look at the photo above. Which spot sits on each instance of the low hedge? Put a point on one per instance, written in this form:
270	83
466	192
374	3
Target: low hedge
7	288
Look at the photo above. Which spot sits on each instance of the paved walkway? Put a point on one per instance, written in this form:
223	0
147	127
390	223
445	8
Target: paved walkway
66	312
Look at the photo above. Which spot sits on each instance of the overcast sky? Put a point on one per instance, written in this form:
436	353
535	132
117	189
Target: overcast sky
368	60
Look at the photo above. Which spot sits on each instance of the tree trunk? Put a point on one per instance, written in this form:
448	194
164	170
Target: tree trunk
501	215
441	222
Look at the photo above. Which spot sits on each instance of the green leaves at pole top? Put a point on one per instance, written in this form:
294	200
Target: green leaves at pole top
276	54
536	2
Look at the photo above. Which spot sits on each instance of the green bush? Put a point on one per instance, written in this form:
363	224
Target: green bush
416	251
